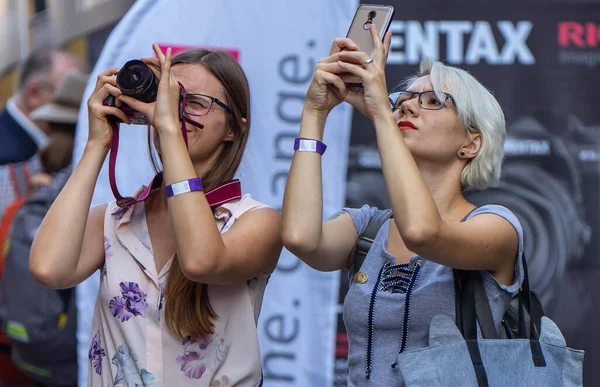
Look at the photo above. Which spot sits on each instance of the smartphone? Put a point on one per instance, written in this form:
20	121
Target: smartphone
367	14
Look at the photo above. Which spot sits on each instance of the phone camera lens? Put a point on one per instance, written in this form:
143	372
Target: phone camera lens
372	14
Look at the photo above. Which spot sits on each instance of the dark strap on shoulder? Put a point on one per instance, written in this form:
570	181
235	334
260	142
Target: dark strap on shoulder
482	308
365	240
482	304
65	296
535	317
467	322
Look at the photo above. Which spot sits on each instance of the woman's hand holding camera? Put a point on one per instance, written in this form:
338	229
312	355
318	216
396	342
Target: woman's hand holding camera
163	114
100	129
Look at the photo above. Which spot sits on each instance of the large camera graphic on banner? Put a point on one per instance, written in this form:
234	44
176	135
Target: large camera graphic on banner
551	182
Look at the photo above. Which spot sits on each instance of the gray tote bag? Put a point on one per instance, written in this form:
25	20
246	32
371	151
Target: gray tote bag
536	356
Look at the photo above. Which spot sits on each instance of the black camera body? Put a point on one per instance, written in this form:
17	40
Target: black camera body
136	80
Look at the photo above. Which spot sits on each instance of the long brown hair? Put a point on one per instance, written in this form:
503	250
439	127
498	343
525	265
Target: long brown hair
187	307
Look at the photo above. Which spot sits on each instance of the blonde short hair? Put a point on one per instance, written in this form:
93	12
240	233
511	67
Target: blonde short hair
479	111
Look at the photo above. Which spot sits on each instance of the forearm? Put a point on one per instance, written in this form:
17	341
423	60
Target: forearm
198	241
56	249
303	199
415	212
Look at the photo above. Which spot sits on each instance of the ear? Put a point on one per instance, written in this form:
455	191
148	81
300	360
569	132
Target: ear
471	147
31	94
231	135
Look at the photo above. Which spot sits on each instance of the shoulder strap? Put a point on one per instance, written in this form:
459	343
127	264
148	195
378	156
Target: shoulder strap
482	304
365	240
5	226
19	175
467	322
65	296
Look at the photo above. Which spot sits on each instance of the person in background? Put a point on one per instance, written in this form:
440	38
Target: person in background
22	300
40	74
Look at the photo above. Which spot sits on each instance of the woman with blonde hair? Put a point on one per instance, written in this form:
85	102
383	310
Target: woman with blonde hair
441	133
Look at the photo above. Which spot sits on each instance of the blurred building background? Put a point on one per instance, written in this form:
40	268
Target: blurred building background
78	26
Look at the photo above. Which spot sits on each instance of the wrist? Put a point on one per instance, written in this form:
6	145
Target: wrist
303	144
314	114
98	147
383	117
184	186
313	124
168	130
170	136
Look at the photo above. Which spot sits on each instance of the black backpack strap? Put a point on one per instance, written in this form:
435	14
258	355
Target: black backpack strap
65	296
365	240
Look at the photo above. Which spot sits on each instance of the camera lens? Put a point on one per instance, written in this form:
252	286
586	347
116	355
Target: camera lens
135	77
137	81
372	14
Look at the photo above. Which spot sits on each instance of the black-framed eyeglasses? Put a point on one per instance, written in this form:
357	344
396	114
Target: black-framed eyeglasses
196	104
428	100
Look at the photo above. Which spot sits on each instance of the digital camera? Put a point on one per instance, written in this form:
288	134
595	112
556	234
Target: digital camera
136	80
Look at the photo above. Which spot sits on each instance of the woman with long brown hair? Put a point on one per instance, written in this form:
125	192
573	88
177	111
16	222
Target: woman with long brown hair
182	277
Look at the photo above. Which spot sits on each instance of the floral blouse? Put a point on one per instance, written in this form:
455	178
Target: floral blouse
131	344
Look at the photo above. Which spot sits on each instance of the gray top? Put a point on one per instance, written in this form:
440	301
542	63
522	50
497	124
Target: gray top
394	316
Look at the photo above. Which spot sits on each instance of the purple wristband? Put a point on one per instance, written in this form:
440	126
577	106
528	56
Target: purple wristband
184	186
309	145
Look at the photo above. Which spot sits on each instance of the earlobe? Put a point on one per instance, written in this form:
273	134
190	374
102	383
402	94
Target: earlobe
30	94
471	149
231	134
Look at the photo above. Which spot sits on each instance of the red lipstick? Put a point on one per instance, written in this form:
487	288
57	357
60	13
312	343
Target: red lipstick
404	125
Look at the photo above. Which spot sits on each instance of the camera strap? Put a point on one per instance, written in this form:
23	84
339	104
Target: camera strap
224	193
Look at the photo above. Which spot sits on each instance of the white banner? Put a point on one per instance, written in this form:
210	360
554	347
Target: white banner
278	44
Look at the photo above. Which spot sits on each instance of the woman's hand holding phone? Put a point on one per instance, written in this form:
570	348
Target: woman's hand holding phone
327	90
367	15
372	99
